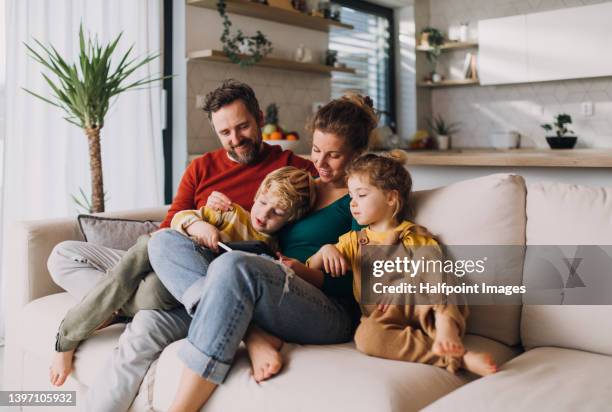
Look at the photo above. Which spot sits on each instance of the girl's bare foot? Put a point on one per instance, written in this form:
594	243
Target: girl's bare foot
447	341
480	363
263	348
60	367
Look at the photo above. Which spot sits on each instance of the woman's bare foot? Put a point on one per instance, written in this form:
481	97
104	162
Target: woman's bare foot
480	363
447	341
60	367
263	348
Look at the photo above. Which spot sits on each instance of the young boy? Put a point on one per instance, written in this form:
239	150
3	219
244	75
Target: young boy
284	195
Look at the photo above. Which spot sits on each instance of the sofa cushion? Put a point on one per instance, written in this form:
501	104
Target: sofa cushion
44	316
567	214
325	378
548	379
488	210
114	233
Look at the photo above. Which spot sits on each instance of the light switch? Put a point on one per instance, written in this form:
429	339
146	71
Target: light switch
587	109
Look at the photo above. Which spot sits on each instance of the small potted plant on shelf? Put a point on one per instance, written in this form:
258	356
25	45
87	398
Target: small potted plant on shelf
561	140
443	131
433	39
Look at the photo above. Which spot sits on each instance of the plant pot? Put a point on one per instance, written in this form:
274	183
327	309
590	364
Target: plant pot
436	77
567	142
444	142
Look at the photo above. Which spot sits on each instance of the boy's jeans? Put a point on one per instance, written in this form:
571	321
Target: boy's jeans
236	289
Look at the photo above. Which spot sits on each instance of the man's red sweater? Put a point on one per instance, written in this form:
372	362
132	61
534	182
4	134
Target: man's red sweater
214	171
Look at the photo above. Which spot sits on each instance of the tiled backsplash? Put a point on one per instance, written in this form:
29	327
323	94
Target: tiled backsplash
522	107
293	92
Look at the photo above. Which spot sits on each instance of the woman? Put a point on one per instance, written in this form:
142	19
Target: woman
243	289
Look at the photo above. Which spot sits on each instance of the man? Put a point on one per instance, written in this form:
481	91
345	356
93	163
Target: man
236	170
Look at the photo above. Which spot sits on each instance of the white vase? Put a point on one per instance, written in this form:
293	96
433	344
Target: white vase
443	142
436	77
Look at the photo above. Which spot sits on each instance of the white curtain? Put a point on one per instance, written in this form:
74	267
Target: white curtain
46	158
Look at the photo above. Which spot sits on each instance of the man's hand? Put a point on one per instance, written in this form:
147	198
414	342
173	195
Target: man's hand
219	201
333	262
205	234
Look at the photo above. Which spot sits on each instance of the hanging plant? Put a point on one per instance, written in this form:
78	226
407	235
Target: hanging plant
237	46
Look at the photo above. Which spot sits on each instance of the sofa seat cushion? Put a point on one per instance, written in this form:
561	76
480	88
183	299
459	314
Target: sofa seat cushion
553	379
325	378
41	319
488	210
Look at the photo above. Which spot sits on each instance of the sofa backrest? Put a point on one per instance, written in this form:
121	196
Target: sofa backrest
565	214
489	210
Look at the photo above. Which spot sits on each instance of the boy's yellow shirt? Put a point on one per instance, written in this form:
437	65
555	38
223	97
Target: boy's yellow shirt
234	225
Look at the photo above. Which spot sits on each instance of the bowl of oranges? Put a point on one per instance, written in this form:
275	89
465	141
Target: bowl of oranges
273	133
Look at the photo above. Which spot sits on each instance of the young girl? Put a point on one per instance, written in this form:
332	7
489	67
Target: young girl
380	188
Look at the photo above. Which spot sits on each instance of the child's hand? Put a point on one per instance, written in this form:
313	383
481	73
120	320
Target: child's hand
219	201
289	262
384	303
333	261
205	234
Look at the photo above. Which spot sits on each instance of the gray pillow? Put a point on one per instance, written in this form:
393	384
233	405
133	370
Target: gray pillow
114	233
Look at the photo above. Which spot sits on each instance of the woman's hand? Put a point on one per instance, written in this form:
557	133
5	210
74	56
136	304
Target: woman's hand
333	262
219	201
205	234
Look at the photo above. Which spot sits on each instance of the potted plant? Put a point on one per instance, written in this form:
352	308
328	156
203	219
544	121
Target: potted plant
561	140
433	39
443	131
84	91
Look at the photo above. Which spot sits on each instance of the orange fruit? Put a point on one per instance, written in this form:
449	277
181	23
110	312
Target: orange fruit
265	136
292	137
276	136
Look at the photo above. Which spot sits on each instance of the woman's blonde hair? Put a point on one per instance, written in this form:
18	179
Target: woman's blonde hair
294	188
351	117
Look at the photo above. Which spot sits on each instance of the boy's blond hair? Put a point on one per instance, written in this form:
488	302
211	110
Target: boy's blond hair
294	188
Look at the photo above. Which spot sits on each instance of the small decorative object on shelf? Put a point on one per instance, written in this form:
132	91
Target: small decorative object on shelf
331	57
303	54
464	32
443	131
561	140
299	5
274	134
235	47
282	4
421	140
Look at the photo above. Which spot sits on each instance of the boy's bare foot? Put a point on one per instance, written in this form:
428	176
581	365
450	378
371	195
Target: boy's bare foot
60	367
447	341
480	363
263	348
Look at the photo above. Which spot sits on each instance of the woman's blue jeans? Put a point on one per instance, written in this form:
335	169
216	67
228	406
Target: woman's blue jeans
234	290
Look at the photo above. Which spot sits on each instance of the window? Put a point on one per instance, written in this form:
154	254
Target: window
369	49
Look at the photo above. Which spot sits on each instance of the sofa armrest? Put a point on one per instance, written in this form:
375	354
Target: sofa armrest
31	243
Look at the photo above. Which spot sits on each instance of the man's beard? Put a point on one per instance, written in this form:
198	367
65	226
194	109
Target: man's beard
248	156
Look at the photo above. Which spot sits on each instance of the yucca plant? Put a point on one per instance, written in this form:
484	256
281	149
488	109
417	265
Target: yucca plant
84	91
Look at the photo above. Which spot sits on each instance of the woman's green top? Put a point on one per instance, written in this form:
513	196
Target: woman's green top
303	238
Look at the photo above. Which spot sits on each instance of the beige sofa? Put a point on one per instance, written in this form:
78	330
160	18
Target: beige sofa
554	358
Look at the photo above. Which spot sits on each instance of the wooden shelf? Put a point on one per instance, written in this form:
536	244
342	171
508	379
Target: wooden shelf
527	157
450	46
262	11
450	83
271	62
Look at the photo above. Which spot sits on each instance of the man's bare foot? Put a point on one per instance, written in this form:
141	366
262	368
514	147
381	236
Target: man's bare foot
480	363
447	341
60	367
263	348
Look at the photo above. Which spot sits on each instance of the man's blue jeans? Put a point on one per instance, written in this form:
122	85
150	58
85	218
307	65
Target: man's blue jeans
236	289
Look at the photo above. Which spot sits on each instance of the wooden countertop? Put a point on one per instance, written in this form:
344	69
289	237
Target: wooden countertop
585	158
513	157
